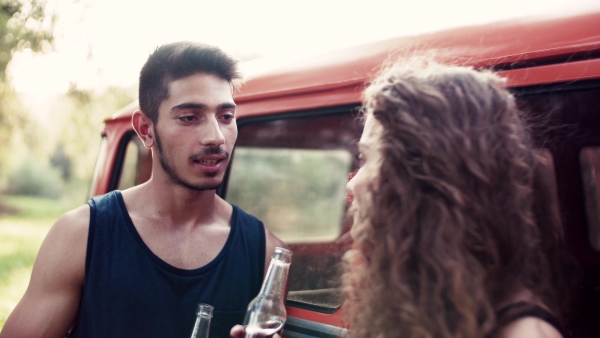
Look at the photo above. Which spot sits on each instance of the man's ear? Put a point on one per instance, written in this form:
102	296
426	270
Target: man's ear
144	127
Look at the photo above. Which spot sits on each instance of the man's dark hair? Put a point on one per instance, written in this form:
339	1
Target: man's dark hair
177	60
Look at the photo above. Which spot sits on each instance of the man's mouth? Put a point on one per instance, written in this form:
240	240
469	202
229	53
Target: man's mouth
210	160
207	162
210	164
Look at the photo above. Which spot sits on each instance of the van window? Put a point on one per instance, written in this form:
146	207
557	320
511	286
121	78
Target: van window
564	119
291	171
299	193
137	163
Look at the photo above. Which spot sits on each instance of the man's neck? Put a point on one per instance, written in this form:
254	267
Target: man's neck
176	204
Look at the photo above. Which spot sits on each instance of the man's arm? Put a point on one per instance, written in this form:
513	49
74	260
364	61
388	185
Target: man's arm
51	302
271	243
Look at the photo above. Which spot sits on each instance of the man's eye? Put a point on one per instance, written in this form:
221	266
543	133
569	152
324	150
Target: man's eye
228	117
189	118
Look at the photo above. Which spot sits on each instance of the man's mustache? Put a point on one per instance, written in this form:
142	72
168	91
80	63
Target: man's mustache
210	151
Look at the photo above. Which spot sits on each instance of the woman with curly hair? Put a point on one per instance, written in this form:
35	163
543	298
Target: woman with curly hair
453	237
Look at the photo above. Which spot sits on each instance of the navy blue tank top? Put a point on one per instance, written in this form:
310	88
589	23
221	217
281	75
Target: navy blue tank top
130	292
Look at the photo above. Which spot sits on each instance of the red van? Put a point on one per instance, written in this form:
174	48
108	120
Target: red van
297	135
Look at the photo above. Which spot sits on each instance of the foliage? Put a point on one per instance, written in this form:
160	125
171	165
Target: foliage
33	178
20	134
84	112
23	25
38	163
61	161
8	122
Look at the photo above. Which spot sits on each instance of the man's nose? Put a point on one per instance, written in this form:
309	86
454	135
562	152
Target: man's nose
212	134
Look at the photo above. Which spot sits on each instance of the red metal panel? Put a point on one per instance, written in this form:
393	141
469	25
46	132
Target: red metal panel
310	100
483	45
334	319
114	131
562	72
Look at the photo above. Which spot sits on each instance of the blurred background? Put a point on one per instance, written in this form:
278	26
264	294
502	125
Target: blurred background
65	65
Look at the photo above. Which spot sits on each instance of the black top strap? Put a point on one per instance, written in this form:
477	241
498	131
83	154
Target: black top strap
515	311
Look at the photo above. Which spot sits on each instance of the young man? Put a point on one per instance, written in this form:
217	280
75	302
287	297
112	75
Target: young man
136	263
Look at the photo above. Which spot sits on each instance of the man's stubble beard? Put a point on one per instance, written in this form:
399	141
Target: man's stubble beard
175	177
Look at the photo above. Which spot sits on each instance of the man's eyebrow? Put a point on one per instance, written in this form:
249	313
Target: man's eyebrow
202	106
189	105
227	105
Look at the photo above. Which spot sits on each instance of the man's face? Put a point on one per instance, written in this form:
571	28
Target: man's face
196	131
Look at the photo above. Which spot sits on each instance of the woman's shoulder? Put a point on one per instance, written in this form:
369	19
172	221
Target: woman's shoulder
525	315
530	327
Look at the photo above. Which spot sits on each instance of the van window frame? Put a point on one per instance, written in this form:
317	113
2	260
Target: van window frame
347	109
100	162
120	159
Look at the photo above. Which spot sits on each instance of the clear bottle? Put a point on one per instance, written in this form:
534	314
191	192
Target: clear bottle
266	313
202	324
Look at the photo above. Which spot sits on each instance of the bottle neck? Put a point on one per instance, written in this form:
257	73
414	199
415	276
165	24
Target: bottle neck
276	278
202	324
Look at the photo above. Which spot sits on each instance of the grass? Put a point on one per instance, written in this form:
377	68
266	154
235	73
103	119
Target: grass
23	226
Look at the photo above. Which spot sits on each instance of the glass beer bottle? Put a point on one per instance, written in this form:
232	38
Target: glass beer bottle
202	324
266	313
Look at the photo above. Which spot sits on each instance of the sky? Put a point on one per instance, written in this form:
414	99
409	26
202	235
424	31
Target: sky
101	43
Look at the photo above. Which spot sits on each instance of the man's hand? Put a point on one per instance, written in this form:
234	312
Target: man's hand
238	332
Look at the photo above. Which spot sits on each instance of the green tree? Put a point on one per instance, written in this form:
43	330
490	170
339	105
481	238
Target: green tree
23	25
9	102
85	111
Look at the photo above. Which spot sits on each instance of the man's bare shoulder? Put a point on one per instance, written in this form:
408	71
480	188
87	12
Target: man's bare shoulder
272	240
75	221
68	237
70	233
64	248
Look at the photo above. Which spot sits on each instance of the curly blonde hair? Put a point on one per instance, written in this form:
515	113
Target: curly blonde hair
453	229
